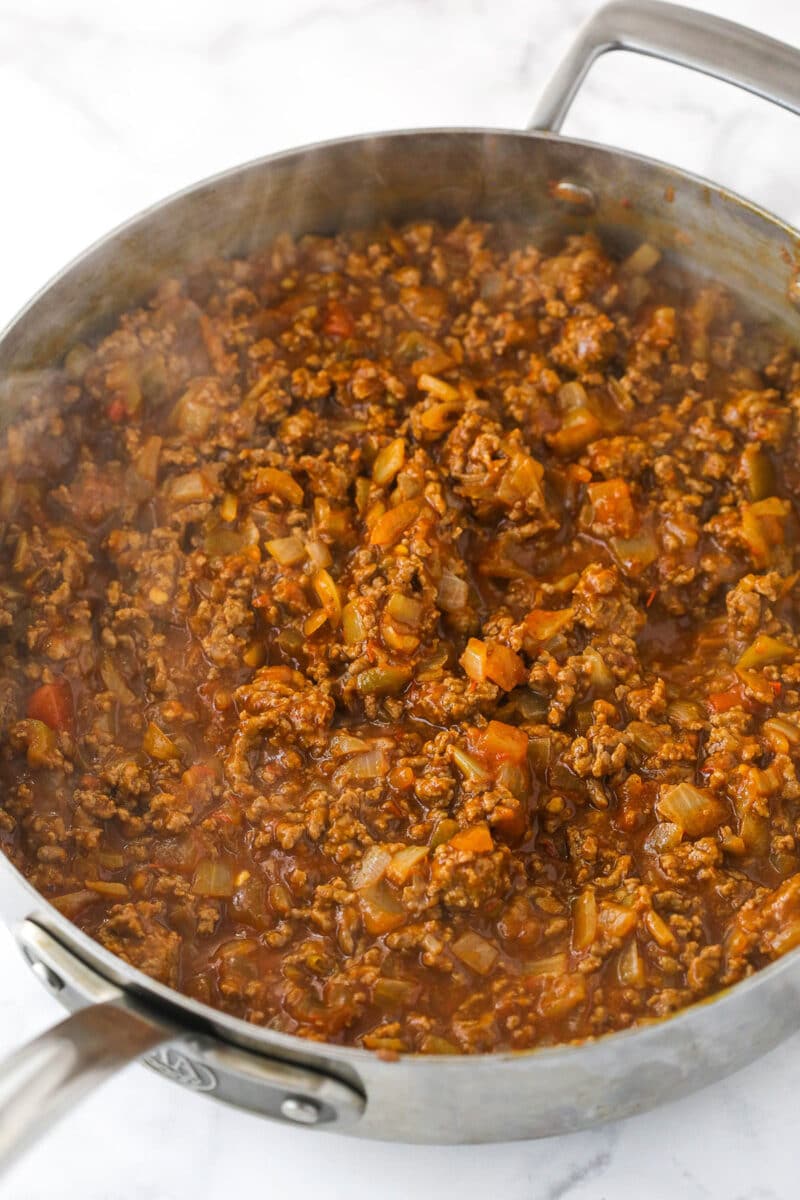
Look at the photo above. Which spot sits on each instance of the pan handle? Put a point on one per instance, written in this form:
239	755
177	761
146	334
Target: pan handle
698	40
42	1080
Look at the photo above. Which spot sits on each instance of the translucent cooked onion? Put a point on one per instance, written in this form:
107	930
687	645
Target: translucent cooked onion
353	627
191	488
453	593
389	461
370	765
405	609
286	550
642	260
696	811
404	862
476	952
213	878
156	743
584	919
372	867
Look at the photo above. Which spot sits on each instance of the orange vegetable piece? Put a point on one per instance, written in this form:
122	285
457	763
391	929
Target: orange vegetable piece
52	704
272	482
612	507
502	741
503	666
391	524
477	839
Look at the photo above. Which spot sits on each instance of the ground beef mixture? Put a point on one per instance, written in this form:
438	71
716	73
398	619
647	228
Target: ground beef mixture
397	639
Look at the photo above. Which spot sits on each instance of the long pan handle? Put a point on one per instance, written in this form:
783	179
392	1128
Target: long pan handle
698	40
42	1080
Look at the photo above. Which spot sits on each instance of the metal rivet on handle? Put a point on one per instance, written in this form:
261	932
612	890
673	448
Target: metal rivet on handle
303	1112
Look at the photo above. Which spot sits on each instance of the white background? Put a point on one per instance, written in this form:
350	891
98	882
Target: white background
106	107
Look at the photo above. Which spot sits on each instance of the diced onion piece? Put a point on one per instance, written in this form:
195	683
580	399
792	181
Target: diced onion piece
763	651
71	904
630	966
664	835
146	464
115	891
685	713
229	508
543	624
372	867
599	674
695	810
503	741
763	526
345	743
521	479
389	461
353	627
382	681
660	931
286	550
270	481
367	767
328	595
405	609
156	743
474	950
393	523
433	1044
453	593
362	490
394	637
431	667
616	920
393	993
473	660
503	666
637	552
781	733
192	416
758	472
111	860
254	654
404	862
475	840
191	488
437	387
113	680
612	507
438	418
213	878
514	777
380	910
572	395
553	964
647	738
579	427
469	766
642	260
584	920
314	622
319	553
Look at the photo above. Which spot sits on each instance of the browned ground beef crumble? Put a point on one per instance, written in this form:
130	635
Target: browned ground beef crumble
398	639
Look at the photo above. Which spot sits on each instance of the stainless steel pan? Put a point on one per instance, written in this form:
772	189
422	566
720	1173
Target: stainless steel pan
118	1014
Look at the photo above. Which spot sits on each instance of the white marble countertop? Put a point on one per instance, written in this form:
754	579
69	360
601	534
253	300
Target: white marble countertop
107	107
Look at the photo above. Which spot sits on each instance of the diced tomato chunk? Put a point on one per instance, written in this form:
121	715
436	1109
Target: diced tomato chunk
52	704
339	321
